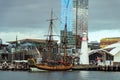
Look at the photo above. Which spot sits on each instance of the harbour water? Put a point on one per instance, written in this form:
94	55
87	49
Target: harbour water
65	75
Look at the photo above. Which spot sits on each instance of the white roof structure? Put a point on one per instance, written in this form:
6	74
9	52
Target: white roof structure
113	45
115	48
99	51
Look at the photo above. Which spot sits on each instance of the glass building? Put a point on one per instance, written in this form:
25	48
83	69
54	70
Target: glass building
66	11
76	12
66	17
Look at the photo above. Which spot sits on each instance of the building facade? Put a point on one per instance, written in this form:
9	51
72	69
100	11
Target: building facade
28	48
94	45
66	12
66	18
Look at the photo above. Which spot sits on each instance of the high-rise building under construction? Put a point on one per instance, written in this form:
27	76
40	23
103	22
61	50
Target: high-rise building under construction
80	20
80	16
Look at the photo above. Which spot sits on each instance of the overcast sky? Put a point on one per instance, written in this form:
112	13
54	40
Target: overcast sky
28	18
104	19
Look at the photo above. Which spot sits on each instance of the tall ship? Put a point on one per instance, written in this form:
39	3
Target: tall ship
54	62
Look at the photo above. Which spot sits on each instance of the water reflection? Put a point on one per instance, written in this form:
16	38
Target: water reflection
64	75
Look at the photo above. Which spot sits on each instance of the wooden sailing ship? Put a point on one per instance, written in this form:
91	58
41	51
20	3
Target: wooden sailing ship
62	63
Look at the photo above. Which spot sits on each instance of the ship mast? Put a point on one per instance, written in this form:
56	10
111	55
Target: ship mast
76	42
50	35
50	38
16	42
65	34
65	40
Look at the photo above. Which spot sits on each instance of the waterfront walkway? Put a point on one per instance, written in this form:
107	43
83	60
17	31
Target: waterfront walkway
97	67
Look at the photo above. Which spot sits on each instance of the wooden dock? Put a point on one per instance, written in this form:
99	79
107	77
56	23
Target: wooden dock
14	67
20	67
96	68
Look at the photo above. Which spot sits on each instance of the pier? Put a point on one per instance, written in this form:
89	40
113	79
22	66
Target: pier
25	67
97	67
14	66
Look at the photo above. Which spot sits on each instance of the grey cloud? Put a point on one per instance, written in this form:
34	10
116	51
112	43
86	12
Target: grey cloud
29	14
104	14
26	15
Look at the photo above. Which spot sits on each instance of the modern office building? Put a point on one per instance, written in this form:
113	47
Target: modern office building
94	45
66	17
66	12
76	12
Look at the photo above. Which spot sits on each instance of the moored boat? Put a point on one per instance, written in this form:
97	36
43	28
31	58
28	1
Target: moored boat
54	68
63	63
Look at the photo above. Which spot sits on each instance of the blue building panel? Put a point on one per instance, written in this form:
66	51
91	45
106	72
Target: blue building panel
66	11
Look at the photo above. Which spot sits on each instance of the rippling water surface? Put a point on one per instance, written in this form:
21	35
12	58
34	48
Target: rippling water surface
68	75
